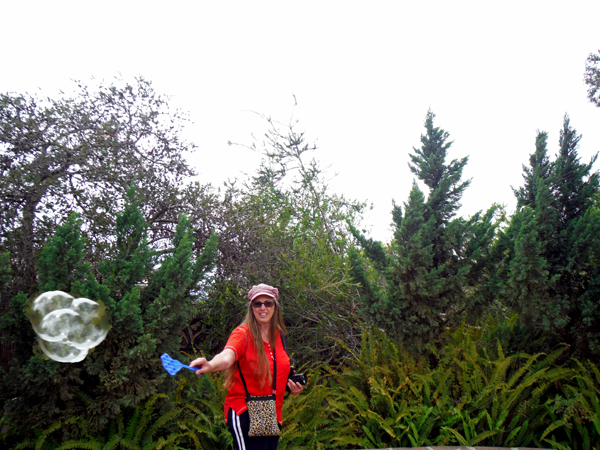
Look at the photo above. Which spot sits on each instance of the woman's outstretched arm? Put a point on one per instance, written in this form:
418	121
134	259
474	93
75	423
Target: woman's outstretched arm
220	362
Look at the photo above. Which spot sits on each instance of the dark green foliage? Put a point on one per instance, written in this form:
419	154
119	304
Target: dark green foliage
443	181
60	266
16	329
537	172
174	284
132	258
528	276
483	282
552	247
415	296
438	267
149	297
146	427
575	184
189	417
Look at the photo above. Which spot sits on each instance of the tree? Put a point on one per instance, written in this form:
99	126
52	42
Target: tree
286	228
529	284
443	181
576	185
415	296
592	77
436	267
539	171
149	295
59	266
80	154
552	254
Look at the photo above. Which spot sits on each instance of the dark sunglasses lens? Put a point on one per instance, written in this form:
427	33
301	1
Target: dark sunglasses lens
257	305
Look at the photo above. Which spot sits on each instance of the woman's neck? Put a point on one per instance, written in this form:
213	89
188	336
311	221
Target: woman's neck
265	331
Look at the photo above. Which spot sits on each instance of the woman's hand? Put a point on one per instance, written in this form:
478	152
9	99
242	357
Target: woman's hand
295	388
202	364
222	361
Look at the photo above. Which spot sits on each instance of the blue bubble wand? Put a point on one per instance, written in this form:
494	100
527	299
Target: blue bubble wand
172	366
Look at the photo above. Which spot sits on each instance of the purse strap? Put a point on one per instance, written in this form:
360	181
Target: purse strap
284	342
274	374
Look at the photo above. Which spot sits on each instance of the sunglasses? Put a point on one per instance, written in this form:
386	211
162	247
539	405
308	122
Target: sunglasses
268	304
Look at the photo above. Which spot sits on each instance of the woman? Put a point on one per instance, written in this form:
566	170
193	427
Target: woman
253	348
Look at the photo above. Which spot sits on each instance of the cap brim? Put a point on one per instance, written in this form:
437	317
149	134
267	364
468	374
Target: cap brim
258	294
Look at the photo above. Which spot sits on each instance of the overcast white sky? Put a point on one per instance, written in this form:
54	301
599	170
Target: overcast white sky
364	75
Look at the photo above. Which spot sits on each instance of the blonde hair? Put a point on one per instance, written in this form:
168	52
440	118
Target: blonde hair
263	371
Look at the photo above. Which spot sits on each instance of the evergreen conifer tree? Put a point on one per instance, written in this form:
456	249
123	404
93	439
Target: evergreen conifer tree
539	170
552	256
529	280
436	266
575	184
35	383
59	265
443	180
149	297
415	283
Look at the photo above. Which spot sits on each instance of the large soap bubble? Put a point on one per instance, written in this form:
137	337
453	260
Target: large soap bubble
68	327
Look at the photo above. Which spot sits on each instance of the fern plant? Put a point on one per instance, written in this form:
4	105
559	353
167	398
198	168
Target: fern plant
468	398
203	420
44	439
577	411
509	392
319	418
145	429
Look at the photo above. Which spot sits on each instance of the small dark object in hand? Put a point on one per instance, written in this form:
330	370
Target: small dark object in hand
298	378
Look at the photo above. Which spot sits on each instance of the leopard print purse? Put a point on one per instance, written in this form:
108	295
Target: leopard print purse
262	410
263	416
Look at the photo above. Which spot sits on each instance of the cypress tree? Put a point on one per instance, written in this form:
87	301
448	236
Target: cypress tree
443	180
539	170
553	276
59	265
529	282
575	185
435	267
149	296
37	390
414	298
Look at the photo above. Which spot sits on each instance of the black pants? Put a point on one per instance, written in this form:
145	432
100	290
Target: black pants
239	426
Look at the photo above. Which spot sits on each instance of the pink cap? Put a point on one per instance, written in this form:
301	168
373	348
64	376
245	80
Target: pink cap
263	289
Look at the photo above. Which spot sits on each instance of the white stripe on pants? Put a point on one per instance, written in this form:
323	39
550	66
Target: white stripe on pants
237	428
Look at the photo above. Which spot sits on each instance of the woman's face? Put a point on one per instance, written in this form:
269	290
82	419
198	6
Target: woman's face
262	313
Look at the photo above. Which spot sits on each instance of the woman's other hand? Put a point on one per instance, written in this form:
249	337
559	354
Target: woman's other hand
295	388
